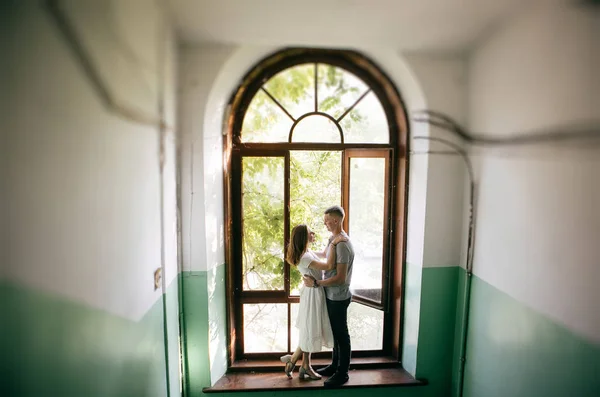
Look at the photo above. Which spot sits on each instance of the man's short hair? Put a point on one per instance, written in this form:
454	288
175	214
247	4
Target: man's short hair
336	210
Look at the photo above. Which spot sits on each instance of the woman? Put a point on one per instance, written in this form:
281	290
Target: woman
312	322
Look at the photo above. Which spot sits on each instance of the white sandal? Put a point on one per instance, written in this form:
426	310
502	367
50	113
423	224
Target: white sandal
289	365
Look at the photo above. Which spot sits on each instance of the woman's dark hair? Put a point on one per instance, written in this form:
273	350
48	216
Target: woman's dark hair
297	245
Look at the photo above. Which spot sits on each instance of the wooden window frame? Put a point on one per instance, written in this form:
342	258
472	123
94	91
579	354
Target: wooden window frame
234	150
387	155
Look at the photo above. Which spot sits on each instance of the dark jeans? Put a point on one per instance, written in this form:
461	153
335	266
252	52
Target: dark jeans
338	316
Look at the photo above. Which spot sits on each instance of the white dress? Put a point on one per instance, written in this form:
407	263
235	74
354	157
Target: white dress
313	321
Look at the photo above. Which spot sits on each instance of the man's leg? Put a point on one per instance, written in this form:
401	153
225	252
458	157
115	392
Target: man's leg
345	348
339	326
331	368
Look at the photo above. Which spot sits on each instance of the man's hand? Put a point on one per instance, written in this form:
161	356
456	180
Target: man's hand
339	239
309	281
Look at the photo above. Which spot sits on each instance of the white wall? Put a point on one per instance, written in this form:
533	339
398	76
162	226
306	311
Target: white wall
443	78
169	59
83	188
539	219
200	153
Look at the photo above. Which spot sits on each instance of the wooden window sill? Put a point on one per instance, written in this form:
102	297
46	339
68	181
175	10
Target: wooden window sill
270	377
274	365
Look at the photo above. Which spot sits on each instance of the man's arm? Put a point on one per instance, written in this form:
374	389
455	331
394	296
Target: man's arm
339	278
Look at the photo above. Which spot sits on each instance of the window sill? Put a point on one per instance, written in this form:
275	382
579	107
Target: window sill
268	378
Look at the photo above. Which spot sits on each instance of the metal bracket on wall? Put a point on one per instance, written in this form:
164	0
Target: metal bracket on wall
157	278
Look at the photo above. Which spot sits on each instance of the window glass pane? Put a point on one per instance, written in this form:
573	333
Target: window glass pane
315	184
367	179
337	89
366	327
262	234
265	328
294	89
366	123
295	334
264	121
316	128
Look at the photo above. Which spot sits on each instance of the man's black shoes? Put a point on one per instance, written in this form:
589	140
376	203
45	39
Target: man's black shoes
326	371
336	380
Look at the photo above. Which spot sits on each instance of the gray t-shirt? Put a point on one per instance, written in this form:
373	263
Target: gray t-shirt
344	254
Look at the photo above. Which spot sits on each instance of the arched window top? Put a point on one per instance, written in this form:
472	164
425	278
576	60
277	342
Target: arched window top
315	102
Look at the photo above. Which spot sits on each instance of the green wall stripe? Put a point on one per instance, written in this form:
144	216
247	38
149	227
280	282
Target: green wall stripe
515	351
196	330
458	328
55	347
172	304
412	302
52	346
406	391
217	320
437	327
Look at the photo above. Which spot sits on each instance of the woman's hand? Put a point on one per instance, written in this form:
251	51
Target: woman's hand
339	239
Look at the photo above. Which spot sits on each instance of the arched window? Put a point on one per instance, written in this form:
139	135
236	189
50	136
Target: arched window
308	129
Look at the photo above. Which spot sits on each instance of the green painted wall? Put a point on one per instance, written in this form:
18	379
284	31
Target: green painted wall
205	326
515	351
173	357
412	302
55	347
437	328
415	391
52	346
195	331
217	306
458	328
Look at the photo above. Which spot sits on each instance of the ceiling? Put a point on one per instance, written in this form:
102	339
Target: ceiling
425	25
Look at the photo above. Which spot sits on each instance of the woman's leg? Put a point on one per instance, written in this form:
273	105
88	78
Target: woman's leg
290	361
306	360
296	355
307	369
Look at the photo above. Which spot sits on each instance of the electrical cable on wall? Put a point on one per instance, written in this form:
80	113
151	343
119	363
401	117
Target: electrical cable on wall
447	124
583	132
589	130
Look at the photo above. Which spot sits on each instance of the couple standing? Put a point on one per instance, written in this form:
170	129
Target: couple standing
323	313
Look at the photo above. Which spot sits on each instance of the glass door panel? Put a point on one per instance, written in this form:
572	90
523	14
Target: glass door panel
263	189
265	328
367	202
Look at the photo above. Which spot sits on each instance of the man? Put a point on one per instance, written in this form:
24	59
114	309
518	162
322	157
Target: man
338	296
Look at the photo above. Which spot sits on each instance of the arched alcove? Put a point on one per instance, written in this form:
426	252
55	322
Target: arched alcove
231	68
